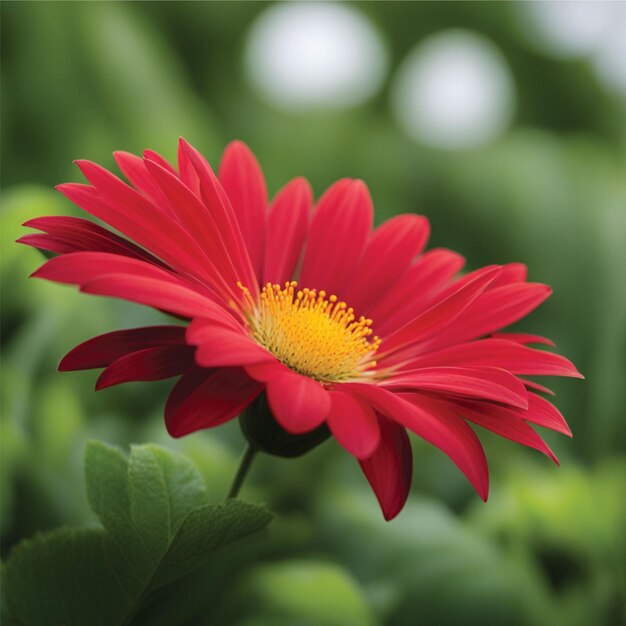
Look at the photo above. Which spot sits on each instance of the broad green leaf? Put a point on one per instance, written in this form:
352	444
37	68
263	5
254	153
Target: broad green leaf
163	487
106	470
207	529
62	578
106	476
157	528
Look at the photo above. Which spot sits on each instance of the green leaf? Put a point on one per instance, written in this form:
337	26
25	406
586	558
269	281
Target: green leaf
205	530
106	469
62	578
163	488
157	528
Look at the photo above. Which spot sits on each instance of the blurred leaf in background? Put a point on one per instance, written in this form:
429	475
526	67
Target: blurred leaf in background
405	96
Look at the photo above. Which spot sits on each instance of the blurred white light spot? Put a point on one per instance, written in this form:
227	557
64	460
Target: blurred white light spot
454	91
569	29
609	59
308	55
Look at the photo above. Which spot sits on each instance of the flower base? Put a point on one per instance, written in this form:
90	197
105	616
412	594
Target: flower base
265	434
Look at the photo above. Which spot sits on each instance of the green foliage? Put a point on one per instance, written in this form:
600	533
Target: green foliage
12	458
17	261
289	593
62	578
157	527
427	563
568	529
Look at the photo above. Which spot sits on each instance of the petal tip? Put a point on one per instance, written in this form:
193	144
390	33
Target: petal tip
390	515
483	490
121	155
236	144
184	144
173	432
102	382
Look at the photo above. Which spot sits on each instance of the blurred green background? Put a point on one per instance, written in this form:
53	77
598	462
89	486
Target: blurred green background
504	123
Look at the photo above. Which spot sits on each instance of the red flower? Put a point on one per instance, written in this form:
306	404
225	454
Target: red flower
212	251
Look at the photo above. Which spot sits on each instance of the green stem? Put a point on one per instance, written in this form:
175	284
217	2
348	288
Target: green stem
244	466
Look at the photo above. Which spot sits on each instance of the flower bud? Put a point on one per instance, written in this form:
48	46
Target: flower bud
264	433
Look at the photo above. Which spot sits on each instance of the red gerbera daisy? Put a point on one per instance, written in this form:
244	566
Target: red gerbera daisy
281	303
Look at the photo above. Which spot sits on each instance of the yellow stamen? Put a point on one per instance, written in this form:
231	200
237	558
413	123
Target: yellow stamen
312	334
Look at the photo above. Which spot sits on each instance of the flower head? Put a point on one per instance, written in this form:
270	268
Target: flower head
336	327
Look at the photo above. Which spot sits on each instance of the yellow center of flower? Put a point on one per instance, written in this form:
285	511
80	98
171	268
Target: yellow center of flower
312	334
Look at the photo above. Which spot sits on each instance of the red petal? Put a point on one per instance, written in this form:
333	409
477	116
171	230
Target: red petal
266	370
340	227
465	449
199	222
155	157
204	398
201	330
441	428
415	290
145	365
391	248
142	222
524	338
187	171
438	317
354	424
287	227
508	355
506	422
223	347
299	404
134	168
102	350
160	294
543	413
216	199
74	234
127	206
495	309
77	268
485	383
242	179
512	273
48	242
390	469
531	384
